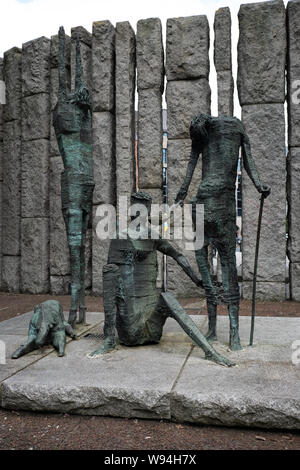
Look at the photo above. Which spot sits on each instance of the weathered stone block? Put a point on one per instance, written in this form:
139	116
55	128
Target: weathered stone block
104	158
125	114
36	66
11	192
59	250
293	72
185	99
86	56
225	93
187	48
295	281
36	117
103	66
35	178
60	285
265	127
293	195
222	44
12	66
155	193
262	53
149	54
11	274
271	291
150	138
35	255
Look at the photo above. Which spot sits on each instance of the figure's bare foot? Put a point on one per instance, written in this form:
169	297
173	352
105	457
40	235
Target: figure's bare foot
108	346
211	336
218	359
235	344
82	316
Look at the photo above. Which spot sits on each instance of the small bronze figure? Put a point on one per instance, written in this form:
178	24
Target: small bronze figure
219	139
47	326
132	303
72	122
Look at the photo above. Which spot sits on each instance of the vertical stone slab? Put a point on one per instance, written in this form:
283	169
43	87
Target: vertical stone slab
262	53
223	61
265	126
150	82
293	98
1	159
11	171
59	251
35	255
261	87
125	113
188	94
103	66
103	72
35	275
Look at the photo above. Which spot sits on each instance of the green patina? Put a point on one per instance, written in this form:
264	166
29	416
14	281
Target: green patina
219	140
47	326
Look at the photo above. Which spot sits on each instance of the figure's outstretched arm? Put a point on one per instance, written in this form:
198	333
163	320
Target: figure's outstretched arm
167	249
181	195
61	61
79	74
250	167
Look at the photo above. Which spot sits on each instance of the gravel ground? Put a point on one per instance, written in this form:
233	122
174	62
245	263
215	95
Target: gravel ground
36	431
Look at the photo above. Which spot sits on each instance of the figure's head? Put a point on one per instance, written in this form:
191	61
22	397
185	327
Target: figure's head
199	128
142	198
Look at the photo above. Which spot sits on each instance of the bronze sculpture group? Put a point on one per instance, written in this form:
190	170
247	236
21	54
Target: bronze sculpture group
132	303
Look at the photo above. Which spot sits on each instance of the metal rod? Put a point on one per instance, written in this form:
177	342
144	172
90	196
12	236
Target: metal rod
255	269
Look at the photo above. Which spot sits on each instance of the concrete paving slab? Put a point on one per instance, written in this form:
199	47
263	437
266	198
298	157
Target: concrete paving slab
171	380
13	333
129	382
263	390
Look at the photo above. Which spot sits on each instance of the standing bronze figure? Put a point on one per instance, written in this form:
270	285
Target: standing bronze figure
72	122
219	139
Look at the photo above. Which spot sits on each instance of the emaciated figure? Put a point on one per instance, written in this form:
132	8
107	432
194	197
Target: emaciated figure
72	122
132	303
47	326
219	139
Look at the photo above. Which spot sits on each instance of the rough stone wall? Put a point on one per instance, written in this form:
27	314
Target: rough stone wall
293	87
103	75
223	61
11	172
188	94
261	87
125	114
35	166
1	174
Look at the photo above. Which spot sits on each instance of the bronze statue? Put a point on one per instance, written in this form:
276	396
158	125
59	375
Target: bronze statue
72	122
132	303
219	139
47	326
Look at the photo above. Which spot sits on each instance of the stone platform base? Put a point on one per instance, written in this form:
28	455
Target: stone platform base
167	381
